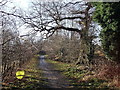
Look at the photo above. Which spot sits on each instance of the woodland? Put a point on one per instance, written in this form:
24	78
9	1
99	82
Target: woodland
80	39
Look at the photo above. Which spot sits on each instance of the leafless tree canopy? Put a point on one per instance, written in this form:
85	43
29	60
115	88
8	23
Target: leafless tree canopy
53	16
15	51
47	18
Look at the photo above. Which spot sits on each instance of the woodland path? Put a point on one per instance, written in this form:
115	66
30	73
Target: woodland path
53	77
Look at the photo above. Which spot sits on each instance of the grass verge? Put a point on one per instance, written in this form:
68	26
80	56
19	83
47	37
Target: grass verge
80	76
32	79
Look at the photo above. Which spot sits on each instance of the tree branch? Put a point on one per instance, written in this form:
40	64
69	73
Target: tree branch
75	17
65	28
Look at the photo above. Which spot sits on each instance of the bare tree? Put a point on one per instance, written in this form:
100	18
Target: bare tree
49	17
53	16
15	52
61	47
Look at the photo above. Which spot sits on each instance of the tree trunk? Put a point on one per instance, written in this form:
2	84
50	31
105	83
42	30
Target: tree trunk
84	50
84	40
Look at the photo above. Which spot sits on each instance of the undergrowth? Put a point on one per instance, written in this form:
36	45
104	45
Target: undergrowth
81	76
32	78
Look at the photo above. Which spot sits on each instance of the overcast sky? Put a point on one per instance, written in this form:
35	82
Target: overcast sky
25	5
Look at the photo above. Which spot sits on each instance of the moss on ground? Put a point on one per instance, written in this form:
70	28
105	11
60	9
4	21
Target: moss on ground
32	79
80	76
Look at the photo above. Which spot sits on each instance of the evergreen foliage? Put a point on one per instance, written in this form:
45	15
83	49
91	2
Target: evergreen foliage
108	15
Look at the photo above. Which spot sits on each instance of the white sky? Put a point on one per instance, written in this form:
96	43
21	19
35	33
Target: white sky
24	4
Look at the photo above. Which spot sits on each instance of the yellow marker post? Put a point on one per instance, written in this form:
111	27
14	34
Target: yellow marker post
20	74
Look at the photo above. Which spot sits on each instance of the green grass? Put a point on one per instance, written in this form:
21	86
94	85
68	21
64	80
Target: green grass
79	76
32	79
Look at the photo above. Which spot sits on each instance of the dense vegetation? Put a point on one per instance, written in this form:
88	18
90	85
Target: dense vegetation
107	14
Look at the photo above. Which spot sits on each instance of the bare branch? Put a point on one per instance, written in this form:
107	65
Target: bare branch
71	18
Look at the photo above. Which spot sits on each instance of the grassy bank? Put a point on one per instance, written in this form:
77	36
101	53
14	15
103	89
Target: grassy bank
80	76
32	79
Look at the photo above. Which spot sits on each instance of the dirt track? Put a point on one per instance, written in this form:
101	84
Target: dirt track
54	78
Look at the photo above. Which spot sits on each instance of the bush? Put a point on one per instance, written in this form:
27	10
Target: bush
107	14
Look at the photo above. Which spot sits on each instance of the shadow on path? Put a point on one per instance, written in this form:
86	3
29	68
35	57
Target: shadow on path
54	78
